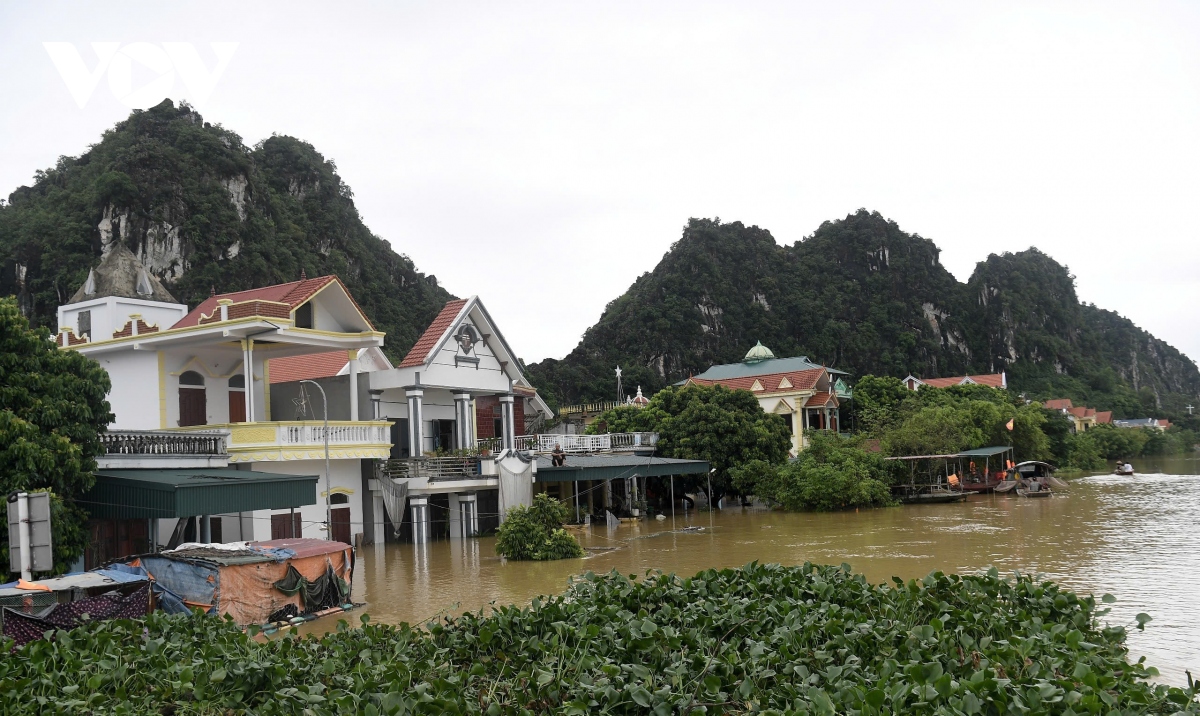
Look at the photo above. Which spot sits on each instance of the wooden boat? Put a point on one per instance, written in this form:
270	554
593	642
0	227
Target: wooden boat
929	495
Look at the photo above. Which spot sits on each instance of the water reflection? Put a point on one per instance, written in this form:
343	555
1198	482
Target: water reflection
1135	537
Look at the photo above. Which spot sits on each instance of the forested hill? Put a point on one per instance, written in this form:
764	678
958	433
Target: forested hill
203	211
863	296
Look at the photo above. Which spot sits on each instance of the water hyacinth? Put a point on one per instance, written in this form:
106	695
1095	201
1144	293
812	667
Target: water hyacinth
764	638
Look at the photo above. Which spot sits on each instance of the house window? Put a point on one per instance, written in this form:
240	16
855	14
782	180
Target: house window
85	324
304	316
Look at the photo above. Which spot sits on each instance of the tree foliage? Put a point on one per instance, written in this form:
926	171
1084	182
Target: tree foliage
727	428
535	532
52	410
833	473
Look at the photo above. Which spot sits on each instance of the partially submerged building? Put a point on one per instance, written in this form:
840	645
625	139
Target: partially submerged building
807	395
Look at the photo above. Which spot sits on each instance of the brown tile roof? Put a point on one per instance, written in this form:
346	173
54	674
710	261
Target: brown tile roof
1104	417
1057	404
429	339
820	399
309	367
293	294
992	380
1164	423
800	380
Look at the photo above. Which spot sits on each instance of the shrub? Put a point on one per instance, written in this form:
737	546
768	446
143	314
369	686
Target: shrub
535	532
832	474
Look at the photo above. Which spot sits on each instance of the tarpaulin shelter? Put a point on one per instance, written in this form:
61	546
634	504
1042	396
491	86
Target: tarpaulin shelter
250	581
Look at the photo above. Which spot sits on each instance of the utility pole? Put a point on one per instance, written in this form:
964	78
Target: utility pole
328	487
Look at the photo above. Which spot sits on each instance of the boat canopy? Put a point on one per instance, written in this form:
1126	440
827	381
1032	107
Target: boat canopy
977	452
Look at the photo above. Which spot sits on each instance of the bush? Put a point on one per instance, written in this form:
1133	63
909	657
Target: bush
536	533
832	474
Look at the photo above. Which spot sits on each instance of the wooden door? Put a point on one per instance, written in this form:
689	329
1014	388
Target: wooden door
280	529
193	406
341	524
237	406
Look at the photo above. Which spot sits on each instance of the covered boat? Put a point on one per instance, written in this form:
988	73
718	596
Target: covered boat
1032	478
254	582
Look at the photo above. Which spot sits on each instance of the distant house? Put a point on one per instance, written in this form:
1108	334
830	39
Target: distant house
805	394
992	380
1082	418
1155	423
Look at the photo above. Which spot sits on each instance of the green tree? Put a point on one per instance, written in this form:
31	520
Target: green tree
52	411
832	474
725	427
877	403
535	532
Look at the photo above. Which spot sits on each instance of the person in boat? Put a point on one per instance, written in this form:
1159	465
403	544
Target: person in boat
1127	468
558	458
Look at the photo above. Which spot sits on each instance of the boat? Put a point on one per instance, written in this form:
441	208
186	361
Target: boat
1032	478
1122	471
929	495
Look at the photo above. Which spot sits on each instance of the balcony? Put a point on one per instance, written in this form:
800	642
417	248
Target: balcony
302	440
163	448
433	469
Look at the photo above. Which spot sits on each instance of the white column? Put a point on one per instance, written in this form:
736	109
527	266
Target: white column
506	413
248	381
353	355
468	510
420	518
380	518
462	421
416	417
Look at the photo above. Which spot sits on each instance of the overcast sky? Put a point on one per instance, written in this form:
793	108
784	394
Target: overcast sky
543	155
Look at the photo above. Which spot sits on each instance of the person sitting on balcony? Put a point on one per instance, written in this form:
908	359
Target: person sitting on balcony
558	458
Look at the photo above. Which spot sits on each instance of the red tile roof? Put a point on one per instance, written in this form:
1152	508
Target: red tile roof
1104	417
309	367
293	294
800	380
992	380
1057	404
1164	423
820	399
429	339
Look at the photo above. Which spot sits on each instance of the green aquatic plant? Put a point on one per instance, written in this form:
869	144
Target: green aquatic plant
763	638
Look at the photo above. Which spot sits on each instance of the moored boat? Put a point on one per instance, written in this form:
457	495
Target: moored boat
1032	478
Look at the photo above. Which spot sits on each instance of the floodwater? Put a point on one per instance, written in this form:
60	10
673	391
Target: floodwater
1137	538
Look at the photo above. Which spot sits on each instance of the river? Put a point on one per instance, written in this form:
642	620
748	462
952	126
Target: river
1137	538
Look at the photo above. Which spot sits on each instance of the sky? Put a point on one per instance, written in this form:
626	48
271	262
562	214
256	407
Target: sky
544	155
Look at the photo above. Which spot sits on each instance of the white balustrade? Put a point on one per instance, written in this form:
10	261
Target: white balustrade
310	434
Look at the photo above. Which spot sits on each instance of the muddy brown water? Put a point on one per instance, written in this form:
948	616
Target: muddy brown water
1137	538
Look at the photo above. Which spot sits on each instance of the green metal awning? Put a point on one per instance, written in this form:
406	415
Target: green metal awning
184	492
605	467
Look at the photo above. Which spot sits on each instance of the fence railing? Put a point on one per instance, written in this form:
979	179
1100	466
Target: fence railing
310	434
585	408
607	442
434	468
150	442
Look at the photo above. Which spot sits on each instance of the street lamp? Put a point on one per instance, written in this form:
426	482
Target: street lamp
325	408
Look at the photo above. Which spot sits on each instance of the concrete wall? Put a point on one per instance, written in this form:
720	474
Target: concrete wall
337	390
345	477
134	396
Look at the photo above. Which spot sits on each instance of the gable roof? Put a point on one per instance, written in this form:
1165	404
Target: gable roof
432	338
1058	404
760	368
1103	417
820	399
293	294
800	380
319	365
992	380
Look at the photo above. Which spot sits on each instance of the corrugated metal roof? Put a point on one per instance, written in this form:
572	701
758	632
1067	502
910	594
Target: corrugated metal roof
184	492
601	467
763	367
